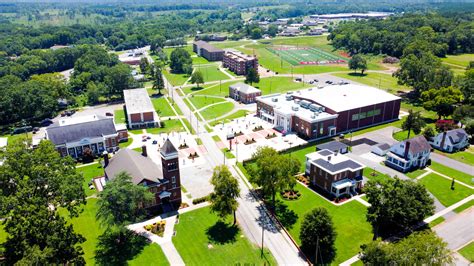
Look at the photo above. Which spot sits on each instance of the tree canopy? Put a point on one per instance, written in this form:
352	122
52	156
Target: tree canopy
414	122
180	61
358	62
226	191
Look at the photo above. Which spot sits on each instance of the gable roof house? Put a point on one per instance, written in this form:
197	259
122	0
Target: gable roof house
161	180
450	141
244	92
409	154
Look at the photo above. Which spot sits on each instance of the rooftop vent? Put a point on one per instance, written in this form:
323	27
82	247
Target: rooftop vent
289	97
295	108
275	99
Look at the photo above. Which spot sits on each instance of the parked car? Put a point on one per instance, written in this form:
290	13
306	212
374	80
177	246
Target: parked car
109	114
46	122
155	142
20	130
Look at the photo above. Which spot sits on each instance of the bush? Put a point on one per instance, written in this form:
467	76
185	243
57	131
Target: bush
201	200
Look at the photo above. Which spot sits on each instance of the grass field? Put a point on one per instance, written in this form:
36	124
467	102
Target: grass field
211	73
119	117
465	206
238	114
460	176
173	125
461	60
175	79
374	175
436	221
440	187
377	80
306	56
468	252
212	112
202	101
403	135
349	220
201	239
415	173
89	172
466	157
162	107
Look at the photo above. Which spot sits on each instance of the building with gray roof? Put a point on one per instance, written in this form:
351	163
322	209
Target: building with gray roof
335	173
451	140
139	108
409	154
243	92
208	51
73	136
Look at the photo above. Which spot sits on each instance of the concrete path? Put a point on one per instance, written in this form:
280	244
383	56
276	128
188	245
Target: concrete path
458	230
448	209
465	168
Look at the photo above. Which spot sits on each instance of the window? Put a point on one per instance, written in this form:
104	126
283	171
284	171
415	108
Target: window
174	185
173	179
377	112
321	130
172	166
113	142
355	117
370	113
362	115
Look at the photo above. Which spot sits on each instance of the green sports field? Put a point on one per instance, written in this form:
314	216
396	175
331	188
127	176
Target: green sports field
306	56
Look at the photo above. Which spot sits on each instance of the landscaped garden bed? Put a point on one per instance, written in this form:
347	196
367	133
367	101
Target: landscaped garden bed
249	141
257	128
193	155
303	179
289	194
156	228
270	136
183	146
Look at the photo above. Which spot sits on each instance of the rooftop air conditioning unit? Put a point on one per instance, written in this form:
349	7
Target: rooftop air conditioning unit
295	108
289	97
275	99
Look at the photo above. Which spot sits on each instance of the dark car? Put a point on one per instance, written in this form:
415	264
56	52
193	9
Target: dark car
109	114
46	122
20	130
155	142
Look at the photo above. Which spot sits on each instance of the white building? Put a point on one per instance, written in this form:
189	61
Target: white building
450	141
140	110
409	154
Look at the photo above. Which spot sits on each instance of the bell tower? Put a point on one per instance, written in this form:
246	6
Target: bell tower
170	168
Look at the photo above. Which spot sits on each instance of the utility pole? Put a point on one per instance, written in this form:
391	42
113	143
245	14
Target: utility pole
316	253
263	231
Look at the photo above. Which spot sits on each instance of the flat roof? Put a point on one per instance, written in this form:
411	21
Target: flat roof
346	97
137	101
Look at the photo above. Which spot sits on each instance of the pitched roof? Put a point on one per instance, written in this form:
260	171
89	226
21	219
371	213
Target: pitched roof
383	146
456	135
168	149
61	134
333	162
134	163
245	88
332	146
207	46
418	144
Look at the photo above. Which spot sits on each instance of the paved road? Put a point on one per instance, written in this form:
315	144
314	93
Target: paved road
457	230
250	214
468	169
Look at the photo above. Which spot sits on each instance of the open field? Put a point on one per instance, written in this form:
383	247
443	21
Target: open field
466	157
173	125
461	61
440	187
460	176
119	117
305	55
162	107
203	101
217	110
203	239
211	73
349	221
238	114
89	172
175	79
377	80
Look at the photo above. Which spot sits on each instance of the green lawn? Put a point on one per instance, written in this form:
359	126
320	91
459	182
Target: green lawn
465	206
403	135
462	60
349	220
227	153
125	144
218	110
202	240
203	101
216	138
173	125
300	154
136	131
89	172
3	234
468	252
460	176
437	221
377	80
375	175
197	60
151	255
175	79
119	117
461	156
238	114
162	107
440	187
211	73
415	173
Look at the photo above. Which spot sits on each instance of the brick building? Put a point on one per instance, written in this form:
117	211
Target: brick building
139	109
208	51
244	93
238	62
162	180
73	136
333	172
326	111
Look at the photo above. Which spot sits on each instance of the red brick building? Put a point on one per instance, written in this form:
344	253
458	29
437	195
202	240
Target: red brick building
162	180
208	51
238	62
244	93
327	111
140	110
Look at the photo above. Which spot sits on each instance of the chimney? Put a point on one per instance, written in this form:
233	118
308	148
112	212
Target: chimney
329	158
105	155
144	152
443	140
407	149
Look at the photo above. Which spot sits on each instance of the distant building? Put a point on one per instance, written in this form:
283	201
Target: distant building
243	92
238	62
211	38
290	31
315	32
334	146
377	15
282	21
163	181
450	141
409	154
333	172
139	109
310	23
323	112
208	51
73	135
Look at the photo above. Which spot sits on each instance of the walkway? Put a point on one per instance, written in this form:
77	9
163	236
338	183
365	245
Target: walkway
462	167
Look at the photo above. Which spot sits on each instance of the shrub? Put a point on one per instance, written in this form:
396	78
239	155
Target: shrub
202	199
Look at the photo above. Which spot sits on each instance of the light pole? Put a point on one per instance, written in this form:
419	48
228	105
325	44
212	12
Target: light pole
263	231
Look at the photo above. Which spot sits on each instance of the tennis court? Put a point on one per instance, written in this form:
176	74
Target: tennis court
306	55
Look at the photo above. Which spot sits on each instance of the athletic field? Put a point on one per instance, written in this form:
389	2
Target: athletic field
306	55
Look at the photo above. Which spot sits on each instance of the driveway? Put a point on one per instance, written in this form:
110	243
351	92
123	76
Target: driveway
457	230
468	169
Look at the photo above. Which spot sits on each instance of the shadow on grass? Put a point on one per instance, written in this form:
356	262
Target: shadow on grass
222	233
116	247
286	216
196	88
357	74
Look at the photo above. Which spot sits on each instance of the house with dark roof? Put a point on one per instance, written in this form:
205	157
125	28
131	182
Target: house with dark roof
409	154
333	172
73	136
244	93
334	146
380	149
161	180
450	141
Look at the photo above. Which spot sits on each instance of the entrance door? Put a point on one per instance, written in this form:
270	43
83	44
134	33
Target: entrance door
332	131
